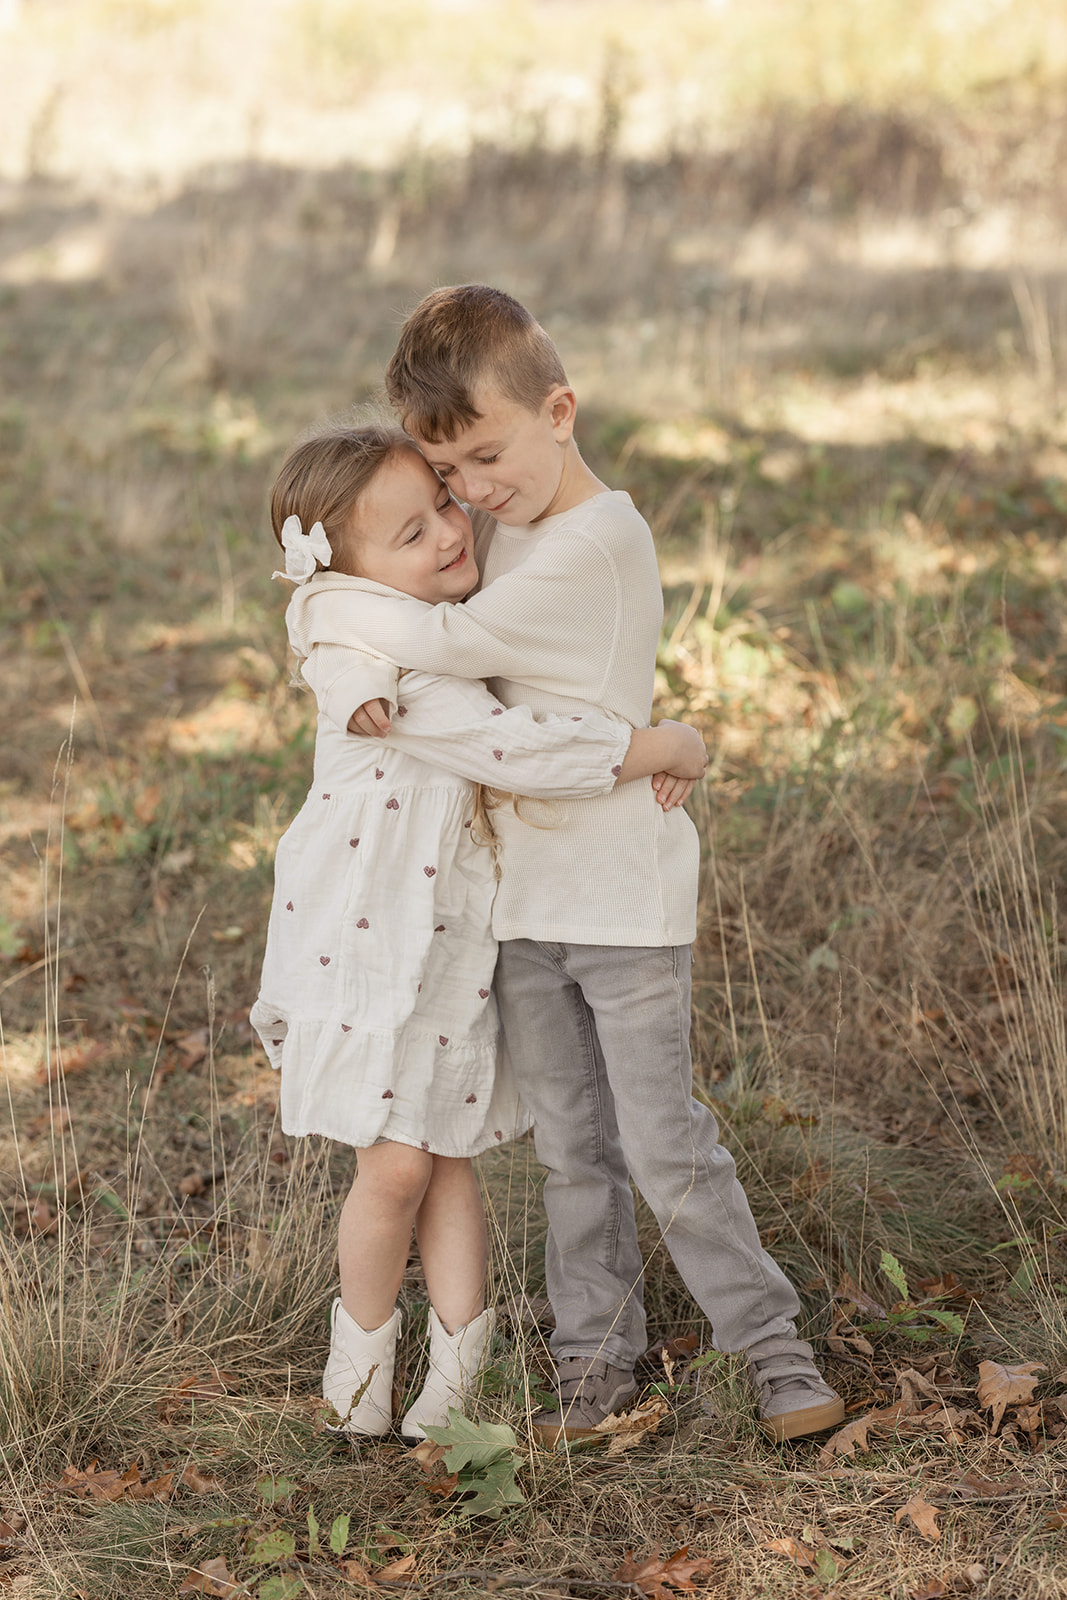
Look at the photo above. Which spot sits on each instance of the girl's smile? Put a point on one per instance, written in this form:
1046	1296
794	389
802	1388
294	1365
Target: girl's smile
408	533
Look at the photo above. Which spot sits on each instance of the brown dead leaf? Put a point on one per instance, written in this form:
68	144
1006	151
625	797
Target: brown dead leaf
397	1570
799	1554
199	1482
69	1061
673	1355
914	1388
195	1386
1055	1520
849	1291
923	1515
108	1484
429	1456
627	1428
193	1046
847	1440
931	1590
972	1486
653	1574
355	1573
210	1577
1000	1386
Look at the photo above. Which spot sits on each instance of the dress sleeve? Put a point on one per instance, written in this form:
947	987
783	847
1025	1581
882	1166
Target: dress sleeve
457	724
344	678
552	622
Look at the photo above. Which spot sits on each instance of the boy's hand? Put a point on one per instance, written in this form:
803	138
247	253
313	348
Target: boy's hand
671	791
371	718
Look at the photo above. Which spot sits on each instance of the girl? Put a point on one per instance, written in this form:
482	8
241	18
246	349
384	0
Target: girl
376	999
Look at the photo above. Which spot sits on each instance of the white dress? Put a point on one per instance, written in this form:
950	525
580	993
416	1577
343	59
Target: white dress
376	995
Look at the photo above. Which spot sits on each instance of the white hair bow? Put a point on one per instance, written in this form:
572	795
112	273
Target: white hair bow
303	550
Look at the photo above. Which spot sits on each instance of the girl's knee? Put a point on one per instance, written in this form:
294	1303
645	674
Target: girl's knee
399	1173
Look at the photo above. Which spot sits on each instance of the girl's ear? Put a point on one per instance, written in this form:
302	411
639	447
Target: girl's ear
561	405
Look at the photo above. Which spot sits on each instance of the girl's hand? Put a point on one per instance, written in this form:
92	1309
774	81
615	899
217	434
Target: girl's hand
671	791
372	718
687	757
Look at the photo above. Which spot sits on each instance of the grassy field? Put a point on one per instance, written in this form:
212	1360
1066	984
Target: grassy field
817	320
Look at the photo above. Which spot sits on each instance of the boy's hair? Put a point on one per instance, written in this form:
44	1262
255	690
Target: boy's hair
457	339
324	474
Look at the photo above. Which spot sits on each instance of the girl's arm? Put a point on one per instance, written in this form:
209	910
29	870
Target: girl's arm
457	724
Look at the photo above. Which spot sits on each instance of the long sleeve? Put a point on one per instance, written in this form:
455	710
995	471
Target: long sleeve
455	723
343	678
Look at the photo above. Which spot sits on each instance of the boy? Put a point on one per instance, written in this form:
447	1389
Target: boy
596	910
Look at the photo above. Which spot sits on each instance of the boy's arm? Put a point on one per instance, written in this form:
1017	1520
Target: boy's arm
342	678
522	626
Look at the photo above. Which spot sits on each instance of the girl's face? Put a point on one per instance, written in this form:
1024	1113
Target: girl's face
407	532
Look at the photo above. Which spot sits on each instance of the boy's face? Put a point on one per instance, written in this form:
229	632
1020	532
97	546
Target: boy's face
510	462
408	533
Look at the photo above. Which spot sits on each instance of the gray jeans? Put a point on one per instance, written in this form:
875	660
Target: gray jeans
599	1040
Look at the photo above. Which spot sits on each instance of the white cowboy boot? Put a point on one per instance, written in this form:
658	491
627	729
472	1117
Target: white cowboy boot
455	1362
360	1360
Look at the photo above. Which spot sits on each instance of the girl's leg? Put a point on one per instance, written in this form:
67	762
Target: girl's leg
375	1229
450	1229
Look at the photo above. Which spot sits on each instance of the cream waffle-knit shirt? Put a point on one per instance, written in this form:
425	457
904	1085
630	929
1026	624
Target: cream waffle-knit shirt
567	620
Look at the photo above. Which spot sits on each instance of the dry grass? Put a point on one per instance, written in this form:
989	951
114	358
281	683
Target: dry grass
824	348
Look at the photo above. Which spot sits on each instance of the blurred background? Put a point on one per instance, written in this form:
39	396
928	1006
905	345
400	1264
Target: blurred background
805	263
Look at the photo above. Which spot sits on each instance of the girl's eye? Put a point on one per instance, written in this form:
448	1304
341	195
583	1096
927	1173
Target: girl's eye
443	507
416	535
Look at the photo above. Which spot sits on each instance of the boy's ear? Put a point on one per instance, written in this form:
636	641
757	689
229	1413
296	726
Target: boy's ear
561	404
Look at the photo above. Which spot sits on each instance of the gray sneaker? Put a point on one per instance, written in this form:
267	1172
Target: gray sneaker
589	1390
793	1398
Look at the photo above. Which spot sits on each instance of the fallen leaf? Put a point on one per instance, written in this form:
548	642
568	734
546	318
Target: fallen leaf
199	1482
652	1574
932	1590
847	1440
922	1515
627	1428
146	804
799	1554
195	1386
210	1577
396	1570
355	1573
1055	1520
849	1291
1000	1386
66	1063
913	1386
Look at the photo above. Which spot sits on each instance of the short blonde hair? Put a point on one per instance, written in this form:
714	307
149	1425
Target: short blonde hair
457	339
325	473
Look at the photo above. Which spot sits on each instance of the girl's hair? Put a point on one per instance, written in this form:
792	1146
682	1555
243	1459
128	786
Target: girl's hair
323	476
321	480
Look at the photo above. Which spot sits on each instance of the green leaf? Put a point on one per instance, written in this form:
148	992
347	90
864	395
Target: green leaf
494	1489
895	1273
947	1319
282	1586
313	1532
472	1444
272	1491
339	1533
827	1565
277	1545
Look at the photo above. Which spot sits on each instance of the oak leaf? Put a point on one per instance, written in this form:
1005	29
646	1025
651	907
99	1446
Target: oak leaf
923	1515
1000	1386
799	1554
653	1574
627	1428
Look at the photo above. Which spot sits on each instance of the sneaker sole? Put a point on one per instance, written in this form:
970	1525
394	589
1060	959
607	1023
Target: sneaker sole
812	1419
550	1434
